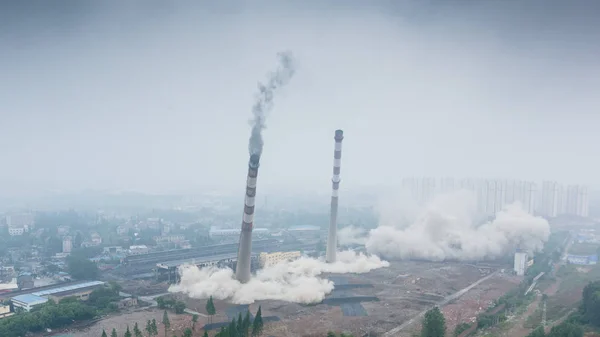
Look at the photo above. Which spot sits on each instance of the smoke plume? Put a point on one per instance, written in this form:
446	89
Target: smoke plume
352	235
294	281
445	230
264	99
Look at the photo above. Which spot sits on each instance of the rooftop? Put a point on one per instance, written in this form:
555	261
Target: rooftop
30	299
304	228
175	263
67	288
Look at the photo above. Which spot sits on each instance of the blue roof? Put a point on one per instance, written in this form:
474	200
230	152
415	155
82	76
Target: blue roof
30	299
67	288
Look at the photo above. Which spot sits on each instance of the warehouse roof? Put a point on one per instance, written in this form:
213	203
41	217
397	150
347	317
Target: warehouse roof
30	299
67	288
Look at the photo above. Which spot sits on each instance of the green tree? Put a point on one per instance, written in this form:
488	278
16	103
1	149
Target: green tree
81	268
538	332
232	329
166	321
187	332
331	334
113	333
104	333
127	332
239	323
154	327
210	308
149	328
590	306
257	324
205	334
246	324
136	330
194	321
434	324
566	329
179	307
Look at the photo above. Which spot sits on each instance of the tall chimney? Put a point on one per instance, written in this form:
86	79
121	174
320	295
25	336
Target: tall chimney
337	158
242	270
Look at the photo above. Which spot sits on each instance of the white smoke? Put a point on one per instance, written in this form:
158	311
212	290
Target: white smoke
445	230
352	235
293	281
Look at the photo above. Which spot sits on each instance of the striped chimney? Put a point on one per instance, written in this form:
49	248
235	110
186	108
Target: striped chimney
242	270
337	158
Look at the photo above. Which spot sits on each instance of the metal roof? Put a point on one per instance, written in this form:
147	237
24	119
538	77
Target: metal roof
198	260
67	288
30	299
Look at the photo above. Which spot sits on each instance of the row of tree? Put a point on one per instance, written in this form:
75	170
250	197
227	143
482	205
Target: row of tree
243	327
588	314
434	323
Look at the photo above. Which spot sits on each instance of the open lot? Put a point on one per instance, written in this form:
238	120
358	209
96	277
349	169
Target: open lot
375	302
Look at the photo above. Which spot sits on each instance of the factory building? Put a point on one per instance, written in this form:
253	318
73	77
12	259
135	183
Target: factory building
584	260
27	301
269	259
81	291
234	232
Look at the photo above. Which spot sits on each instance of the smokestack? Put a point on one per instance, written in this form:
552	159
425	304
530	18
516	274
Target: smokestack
337	158
242	270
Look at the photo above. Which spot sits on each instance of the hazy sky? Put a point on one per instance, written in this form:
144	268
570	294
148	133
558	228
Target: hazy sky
156	95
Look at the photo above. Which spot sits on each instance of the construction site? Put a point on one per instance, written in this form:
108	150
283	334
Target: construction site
381	301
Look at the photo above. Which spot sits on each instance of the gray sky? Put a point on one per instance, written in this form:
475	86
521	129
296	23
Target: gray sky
156	96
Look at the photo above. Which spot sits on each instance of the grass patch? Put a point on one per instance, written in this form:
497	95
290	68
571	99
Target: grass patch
569	292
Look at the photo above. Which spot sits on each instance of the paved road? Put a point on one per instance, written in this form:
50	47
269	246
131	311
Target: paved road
396	331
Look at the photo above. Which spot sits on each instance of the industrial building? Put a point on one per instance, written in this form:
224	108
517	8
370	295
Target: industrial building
269	259
167	271
584	260
80	291
27	301
234	232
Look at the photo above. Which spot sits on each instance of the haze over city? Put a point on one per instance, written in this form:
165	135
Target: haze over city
156	97
409	168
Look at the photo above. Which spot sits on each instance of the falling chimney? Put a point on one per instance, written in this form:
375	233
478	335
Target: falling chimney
337	158
242	270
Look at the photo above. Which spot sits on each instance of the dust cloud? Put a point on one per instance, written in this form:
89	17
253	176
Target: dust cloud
293	281
446	229
352	235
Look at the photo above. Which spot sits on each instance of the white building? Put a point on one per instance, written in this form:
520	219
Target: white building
550	199
67	244
16	231
28	301
138	250
520	263
269	259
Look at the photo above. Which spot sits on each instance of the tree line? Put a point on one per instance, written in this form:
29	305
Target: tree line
588	314
57	315
243	327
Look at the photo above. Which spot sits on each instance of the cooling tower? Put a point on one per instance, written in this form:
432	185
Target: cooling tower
337	158
242	270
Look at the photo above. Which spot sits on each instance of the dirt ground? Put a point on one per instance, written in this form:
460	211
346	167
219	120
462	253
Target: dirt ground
120	322
404	289
478	299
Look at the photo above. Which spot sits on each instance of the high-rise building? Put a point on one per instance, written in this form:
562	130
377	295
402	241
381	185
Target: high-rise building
550	199
67	244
